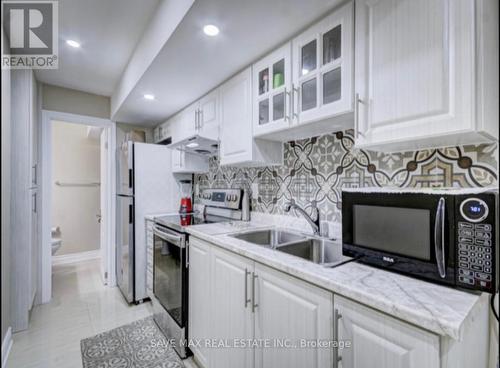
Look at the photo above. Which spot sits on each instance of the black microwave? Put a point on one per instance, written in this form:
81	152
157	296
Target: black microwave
443	236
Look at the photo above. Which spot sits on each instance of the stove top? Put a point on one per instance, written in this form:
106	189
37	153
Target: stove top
180	221
218	205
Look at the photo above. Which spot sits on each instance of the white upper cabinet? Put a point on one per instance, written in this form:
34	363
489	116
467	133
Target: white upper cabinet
272	81
200	118
322	68
187	163
421	73
208	116
305	88
237	145
185	123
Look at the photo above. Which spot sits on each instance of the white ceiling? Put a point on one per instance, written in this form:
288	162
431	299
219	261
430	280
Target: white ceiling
108	31
190	64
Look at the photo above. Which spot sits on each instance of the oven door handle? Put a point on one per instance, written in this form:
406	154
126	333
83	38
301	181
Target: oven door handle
174	239
439	238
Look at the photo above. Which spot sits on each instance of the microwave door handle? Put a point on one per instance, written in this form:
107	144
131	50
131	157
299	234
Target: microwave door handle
439	238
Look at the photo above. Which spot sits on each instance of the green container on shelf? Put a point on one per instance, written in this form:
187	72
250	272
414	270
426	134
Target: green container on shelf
278	80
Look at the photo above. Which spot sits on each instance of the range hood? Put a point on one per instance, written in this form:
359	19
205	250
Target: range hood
198	145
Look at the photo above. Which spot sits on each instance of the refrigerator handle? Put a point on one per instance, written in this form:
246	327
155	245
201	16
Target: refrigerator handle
130	178
130	214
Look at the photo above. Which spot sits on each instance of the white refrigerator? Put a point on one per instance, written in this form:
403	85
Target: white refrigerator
145	185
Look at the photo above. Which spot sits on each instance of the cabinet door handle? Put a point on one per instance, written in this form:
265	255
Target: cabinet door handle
247	299
336	357
34	203
287	105
356	116
295	90
254	305
34	179
201	119
187	254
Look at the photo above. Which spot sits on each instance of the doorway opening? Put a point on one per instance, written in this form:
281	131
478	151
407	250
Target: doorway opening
77	194
76	211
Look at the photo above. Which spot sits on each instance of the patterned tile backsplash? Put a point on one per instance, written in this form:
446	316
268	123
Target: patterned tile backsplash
316	169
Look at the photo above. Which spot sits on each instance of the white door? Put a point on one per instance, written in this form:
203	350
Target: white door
208	116
291	311
414	70
103	215
236	119
381	341
323	68
199	297
272	91
231	312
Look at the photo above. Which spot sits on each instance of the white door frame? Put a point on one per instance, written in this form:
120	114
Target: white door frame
108	249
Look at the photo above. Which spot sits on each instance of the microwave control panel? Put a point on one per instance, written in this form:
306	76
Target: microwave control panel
476	245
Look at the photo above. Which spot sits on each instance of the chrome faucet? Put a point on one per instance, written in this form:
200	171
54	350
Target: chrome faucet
314	223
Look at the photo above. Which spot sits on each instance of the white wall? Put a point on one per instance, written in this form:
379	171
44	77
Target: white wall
75	158
122	129
6	156
74	102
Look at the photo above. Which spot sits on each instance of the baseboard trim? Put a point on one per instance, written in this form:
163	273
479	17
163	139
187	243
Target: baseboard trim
6	345
76	257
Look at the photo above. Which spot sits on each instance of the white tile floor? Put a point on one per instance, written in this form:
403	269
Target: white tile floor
81	307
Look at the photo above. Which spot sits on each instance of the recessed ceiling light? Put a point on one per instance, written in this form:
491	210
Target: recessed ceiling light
73	43
149	96
211	30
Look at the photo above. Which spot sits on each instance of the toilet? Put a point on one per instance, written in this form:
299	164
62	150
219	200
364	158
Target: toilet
56	241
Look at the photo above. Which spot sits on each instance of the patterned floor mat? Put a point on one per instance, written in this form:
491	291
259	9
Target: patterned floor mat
139	345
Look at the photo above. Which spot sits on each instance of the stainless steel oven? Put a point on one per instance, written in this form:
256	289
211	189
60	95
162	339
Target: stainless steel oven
445	236
170	283
171	258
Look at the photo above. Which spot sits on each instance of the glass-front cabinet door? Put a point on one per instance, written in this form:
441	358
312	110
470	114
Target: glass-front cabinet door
272	81
323	68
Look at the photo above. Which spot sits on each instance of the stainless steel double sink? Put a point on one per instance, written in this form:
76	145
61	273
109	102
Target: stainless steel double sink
315	249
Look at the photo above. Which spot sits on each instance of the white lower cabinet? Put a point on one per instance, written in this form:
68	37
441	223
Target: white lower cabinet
200	296
291	312
381	341
233	299
232	317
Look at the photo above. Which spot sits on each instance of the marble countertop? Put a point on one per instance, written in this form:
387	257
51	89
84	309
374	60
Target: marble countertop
436	308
